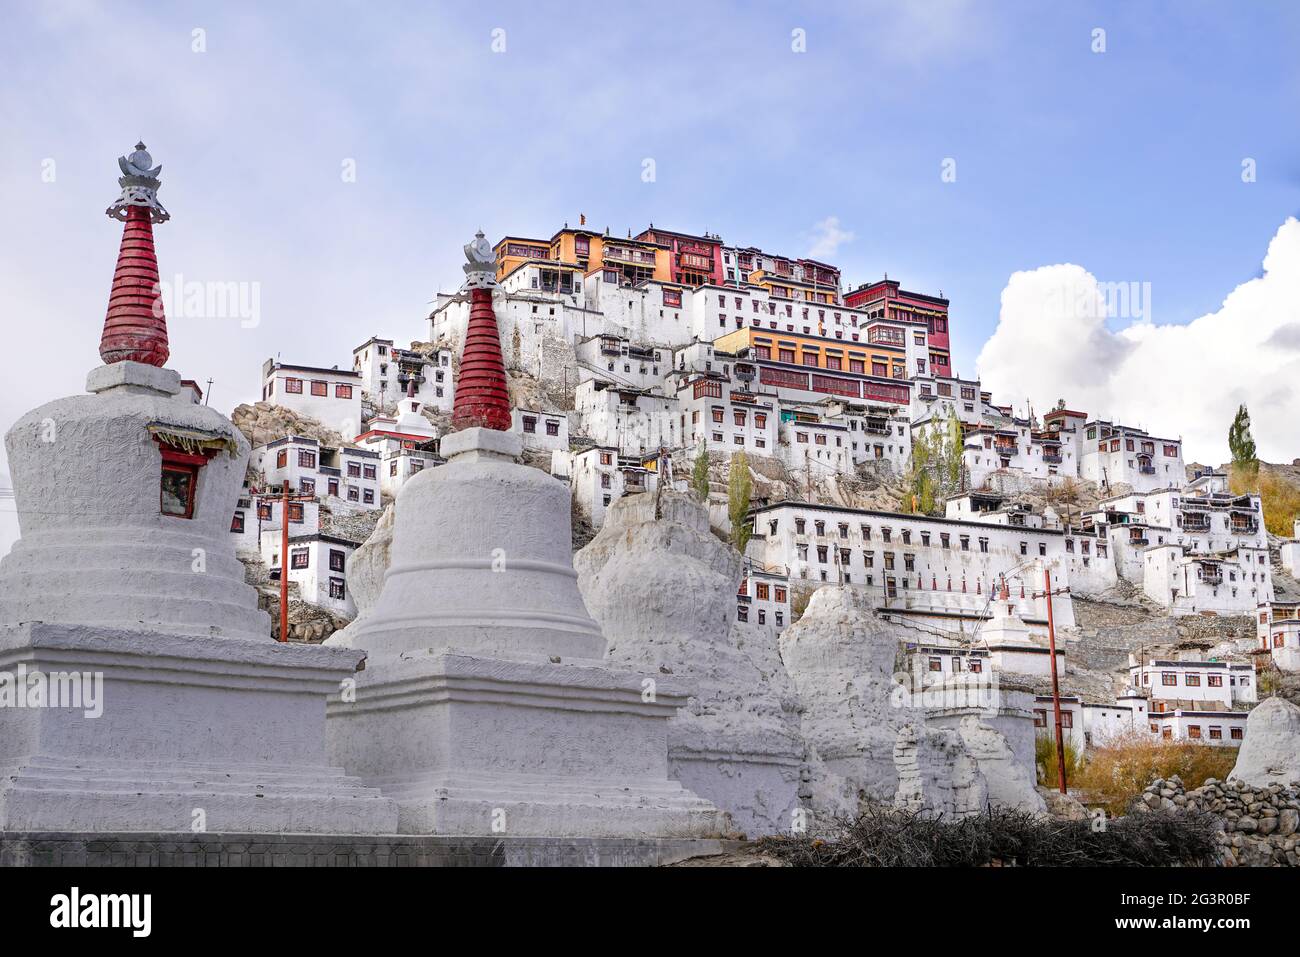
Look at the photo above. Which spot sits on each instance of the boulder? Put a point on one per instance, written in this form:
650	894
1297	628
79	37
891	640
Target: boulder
1270	753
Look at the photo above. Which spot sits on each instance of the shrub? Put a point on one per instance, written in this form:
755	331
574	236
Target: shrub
1045	759
886	837
1117	771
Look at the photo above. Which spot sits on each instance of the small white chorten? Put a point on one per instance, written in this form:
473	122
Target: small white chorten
140	689
485	706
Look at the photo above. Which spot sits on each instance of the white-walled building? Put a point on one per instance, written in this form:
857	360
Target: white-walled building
387	374
1219	728
631	420
402	446
543	431
331	396
317	564
815	448
347	473
621	362
599	475
1190	553
937	570
1289	551
1112	454
1278	631
1219	683
725	416
763	599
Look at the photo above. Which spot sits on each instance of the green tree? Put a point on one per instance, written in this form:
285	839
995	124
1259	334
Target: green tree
740	487
700	474
1242	444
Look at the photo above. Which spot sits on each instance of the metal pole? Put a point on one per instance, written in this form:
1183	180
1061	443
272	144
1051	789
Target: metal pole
284	571
1056	688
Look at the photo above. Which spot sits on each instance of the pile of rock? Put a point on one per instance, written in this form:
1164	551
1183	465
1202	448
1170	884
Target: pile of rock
1260	825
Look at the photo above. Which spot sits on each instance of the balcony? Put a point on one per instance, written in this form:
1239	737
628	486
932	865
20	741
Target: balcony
1008	449
1244	528
1147	469
628	255
1210	577
1052	458
1196	523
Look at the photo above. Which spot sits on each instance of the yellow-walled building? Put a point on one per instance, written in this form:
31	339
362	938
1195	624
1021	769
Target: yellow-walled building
884	356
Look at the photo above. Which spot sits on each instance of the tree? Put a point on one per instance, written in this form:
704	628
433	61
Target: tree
700	474
1242	444
740	487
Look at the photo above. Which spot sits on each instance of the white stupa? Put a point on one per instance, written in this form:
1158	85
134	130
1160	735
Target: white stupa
485	706
143	691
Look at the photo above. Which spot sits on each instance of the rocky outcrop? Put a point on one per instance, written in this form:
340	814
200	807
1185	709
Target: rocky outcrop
1270	754
263	422
937	774
1259	825
663	591
842	660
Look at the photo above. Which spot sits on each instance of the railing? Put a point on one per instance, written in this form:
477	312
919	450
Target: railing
1147	469
1246	528
1053	458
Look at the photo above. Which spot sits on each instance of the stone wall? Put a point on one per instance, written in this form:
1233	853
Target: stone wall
1258	825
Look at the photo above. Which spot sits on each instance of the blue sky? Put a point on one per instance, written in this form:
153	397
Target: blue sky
1127	162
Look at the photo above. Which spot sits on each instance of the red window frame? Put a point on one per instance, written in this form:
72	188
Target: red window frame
181	463
320	388
342	391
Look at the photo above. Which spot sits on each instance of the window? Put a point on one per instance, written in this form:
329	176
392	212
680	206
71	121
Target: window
368	496
1216	732
180	475
742	613
936	664
762	591
1067	719
1215	681
530	424
1235	734
306	459
354	470
237	523
320	388
281	458
552	428
1040	717
337	560
293	385
1168	679
1193	681
337	589
976	666
298	557
370	472
353	495
343	392
1193	730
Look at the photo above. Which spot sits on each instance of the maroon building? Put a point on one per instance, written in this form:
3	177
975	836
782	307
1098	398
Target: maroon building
884	299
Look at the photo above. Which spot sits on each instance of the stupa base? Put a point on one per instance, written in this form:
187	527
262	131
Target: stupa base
477	746
105	730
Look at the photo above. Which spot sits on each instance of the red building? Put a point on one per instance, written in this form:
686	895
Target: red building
884	299
693	260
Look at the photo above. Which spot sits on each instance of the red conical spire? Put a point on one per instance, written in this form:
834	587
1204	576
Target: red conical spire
135	328
482	399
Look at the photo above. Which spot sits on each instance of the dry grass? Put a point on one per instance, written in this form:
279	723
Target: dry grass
1279	496
1116	772
1045	760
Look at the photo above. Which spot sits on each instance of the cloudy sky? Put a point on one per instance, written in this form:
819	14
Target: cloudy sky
1103	240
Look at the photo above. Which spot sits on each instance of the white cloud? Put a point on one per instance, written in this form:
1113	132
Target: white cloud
827	238
1052	342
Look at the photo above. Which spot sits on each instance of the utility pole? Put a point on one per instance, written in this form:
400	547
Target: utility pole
207	395
1047	594
285	498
